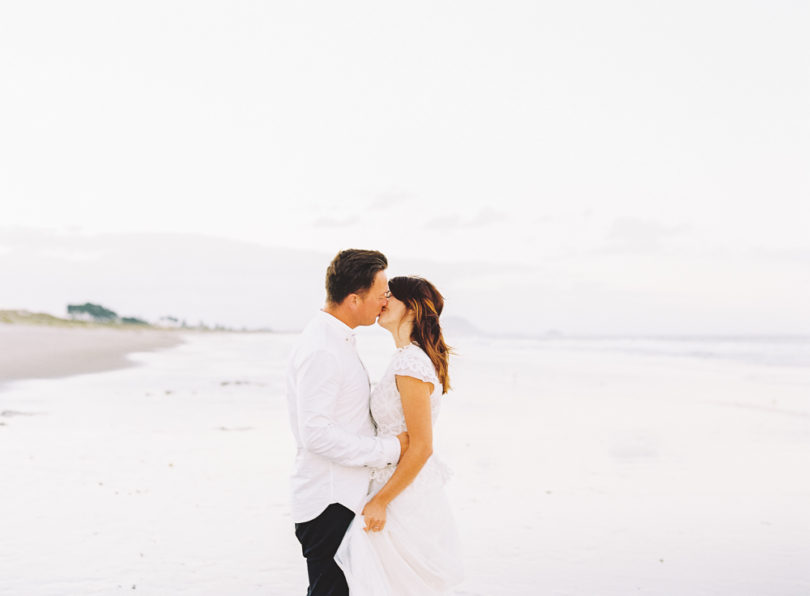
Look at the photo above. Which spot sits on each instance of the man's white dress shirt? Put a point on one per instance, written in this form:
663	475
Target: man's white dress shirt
328	397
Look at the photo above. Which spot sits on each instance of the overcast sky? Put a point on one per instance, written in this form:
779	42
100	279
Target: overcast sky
609	166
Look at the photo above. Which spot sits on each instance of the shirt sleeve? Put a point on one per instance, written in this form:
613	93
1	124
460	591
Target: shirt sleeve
318	386
413	362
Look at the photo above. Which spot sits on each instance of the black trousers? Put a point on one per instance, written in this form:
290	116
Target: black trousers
320	538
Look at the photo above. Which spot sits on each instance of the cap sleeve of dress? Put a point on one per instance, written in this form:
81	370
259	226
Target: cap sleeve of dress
411	361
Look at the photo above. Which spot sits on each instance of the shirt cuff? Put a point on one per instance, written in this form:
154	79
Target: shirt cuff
392	449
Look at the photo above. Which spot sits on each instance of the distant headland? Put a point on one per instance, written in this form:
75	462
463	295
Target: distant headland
95	315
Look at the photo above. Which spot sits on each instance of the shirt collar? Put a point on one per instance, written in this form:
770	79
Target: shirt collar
341	328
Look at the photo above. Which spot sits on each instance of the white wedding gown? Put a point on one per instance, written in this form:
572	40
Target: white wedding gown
417	552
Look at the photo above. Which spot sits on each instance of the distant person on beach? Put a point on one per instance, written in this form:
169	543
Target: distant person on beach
406	542
328	397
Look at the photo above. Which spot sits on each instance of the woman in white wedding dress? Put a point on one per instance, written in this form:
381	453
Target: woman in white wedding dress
406	541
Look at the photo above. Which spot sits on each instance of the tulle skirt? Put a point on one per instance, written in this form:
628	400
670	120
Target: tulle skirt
417	552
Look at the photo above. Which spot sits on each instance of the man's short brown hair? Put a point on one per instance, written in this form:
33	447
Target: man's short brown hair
352	271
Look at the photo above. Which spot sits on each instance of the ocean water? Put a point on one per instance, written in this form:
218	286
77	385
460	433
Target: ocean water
785	350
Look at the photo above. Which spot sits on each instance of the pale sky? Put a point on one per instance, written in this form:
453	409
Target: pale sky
622	166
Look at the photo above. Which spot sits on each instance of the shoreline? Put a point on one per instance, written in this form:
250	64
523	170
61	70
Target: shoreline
44	351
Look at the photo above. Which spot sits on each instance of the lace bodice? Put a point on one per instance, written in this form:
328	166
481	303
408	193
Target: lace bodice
386	405
386	409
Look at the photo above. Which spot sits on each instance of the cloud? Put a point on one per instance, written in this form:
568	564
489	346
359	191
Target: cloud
390	199
444	222
239	283
60	244
629	234
485	217
334	222
801	255
73	256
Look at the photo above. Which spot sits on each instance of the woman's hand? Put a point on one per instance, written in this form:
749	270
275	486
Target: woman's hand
374	513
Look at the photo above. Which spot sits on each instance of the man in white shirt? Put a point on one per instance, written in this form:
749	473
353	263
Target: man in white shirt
328	397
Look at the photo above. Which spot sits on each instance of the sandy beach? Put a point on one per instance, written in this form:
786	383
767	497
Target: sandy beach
582	468
39	351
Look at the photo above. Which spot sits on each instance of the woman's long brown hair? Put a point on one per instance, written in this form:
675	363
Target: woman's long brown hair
423	299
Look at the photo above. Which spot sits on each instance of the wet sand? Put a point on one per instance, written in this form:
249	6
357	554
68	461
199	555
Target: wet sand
39	352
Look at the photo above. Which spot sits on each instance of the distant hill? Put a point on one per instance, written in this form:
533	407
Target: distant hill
455	325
